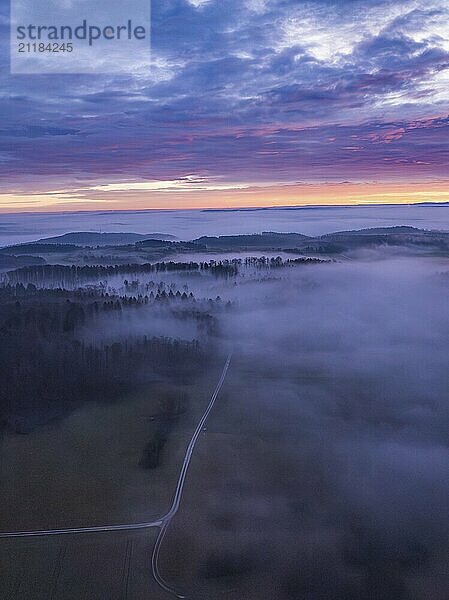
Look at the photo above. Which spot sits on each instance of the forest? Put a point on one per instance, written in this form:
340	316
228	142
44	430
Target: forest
48	369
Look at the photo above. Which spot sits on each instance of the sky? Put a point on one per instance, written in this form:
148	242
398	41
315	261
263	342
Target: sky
245	103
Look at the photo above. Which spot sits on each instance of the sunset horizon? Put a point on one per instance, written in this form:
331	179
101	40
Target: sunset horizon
168	195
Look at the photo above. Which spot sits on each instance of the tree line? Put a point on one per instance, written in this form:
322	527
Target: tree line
63	275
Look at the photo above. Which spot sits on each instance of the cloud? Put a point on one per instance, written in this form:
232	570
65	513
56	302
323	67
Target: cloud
247	91
199	3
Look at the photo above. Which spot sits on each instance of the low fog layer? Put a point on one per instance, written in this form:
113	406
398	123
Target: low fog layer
324	475
187	225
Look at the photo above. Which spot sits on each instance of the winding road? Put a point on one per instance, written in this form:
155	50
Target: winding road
164	521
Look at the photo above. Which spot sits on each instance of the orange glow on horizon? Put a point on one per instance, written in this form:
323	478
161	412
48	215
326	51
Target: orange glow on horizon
230	196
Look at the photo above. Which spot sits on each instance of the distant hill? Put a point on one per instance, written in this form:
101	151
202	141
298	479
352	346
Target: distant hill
90	238
398	230
154	243
15	262
409	238
77	247
265	240
333	243
39	248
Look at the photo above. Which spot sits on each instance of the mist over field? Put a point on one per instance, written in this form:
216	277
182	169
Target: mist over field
327	463
322	471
